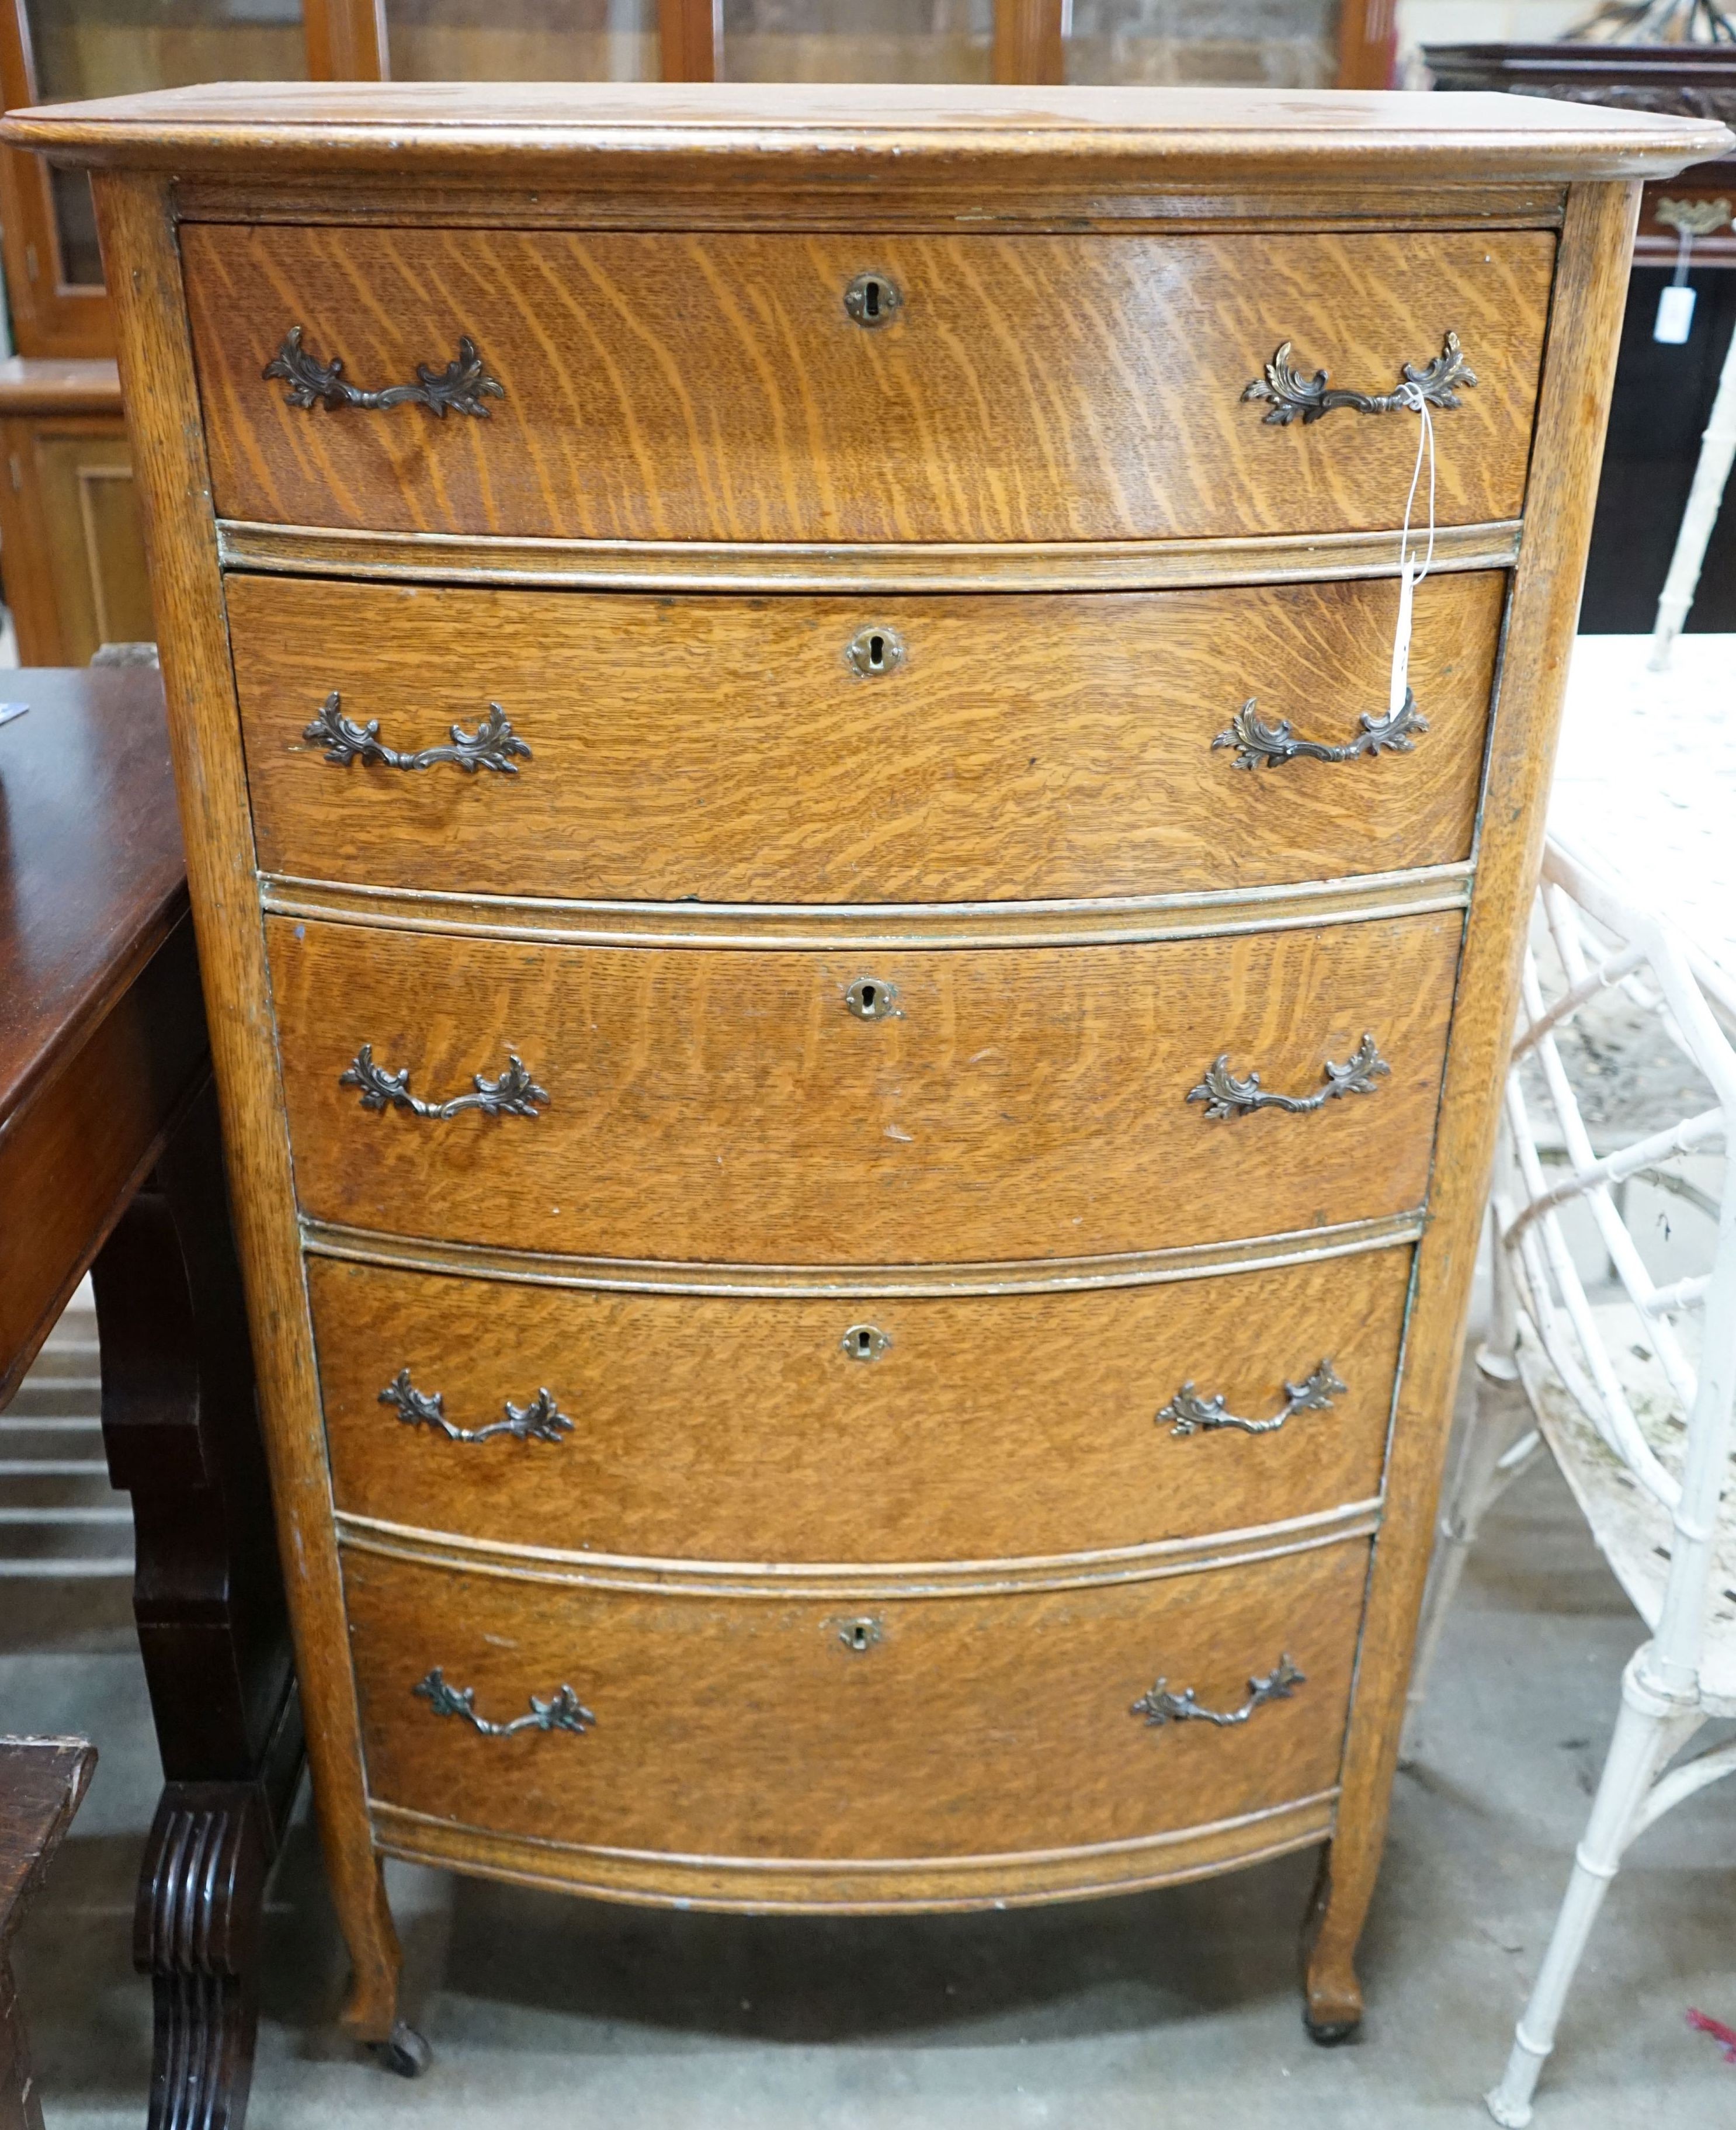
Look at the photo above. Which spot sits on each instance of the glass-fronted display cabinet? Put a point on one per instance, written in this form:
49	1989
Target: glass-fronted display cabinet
55	50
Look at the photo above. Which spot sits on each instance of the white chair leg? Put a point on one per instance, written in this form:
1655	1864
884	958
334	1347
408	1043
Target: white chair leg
1650	1727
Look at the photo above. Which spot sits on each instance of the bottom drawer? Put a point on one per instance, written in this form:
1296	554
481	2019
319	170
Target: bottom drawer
744	1726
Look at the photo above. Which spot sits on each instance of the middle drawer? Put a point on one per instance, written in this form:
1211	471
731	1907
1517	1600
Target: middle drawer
832	1108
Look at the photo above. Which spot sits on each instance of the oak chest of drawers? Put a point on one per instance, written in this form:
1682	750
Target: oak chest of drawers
859	1029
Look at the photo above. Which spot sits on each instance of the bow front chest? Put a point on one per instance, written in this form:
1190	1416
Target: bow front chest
859	991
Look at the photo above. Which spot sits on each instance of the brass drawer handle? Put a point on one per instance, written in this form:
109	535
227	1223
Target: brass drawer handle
1292	394
457	389
1225	1095
1160	1706
492	745
541	1421
563	1710
1193	1414
514	1094
1261	746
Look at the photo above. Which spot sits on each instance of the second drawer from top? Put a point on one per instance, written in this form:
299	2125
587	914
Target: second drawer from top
797	749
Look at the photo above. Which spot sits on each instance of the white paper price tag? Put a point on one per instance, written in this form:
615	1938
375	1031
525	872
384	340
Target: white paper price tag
1674	314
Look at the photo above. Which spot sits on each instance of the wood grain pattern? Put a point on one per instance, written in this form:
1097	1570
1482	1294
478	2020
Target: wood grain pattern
714	388
987	1428
754	1887
726	748
1572	413
136	216
744	1728
728	1106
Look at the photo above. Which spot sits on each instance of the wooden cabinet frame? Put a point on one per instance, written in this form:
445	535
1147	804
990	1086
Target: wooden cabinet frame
346	41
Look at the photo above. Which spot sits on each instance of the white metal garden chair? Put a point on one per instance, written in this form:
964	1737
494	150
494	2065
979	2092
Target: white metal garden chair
1630	1383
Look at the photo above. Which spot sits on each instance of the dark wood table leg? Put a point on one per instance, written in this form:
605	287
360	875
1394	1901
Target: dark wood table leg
179	1426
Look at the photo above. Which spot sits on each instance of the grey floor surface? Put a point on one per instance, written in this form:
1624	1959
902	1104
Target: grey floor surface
1174	2009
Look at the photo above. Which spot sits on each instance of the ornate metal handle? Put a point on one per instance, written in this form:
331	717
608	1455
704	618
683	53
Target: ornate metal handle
1261	746
541	1421
1193	1415
492	745
457	389
1225	1095
563	1711
1292	394
514	1094
1160	1706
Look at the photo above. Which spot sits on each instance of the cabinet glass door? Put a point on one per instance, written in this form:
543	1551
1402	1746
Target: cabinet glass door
917	41
82	48
1276	44
522	40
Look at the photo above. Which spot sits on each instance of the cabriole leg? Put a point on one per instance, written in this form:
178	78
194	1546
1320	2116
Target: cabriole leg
1331	2007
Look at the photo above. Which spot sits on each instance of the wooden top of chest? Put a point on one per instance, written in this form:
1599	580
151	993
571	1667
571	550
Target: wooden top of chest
528	133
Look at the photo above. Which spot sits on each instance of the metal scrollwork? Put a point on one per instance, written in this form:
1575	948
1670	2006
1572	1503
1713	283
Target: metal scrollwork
459	389
1160	1706
541	1421
1225	1095
1193	1415
1292	394
1261	746
492	745
514	1094
563	1710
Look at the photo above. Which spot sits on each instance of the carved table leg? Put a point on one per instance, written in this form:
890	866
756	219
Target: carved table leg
179	1427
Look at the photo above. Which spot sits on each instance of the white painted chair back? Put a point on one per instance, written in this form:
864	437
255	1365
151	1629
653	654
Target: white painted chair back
1634	1396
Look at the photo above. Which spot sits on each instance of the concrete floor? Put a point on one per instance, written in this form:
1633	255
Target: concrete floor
1178	2007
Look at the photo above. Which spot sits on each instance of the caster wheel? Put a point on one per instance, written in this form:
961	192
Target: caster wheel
406	2053
1332	2033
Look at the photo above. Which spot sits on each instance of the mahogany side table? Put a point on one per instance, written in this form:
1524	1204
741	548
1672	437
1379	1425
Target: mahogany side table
110	1162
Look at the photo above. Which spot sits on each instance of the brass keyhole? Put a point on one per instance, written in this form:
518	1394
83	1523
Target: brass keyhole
865	1342
871	998
875	651
873	299
858	1635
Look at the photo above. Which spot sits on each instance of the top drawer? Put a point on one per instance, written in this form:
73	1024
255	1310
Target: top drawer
717	387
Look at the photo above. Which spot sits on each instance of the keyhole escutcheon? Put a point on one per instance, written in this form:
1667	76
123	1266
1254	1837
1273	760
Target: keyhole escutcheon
873	299
865	1342
871	998
874	652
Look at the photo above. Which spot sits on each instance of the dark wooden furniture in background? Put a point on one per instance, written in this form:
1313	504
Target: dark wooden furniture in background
110	1162
1663	391
71	548
42	1782
857	1068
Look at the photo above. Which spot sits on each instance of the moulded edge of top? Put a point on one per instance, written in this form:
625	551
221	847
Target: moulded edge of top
617	134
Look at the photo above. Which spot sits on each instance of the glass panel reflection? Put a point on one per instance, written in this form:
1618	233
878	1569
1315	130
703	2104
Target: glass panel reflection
114	47
1281	43
857	40
522	40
